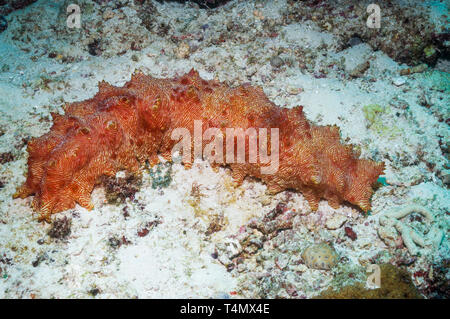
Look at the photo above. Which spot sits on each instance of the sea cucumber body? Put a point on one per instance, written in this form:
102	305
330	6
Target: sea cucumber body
122	127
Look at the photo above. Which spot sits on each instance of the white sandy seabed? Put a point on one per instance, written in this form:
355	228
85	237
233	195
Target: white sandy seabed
174	260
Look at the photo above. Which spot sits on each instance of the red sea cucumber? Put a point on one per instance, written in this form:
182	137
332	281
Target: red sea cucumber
122	127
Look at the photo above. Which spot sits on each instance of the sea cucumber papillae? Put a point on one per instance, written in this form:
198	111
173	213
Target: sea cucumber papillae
122	127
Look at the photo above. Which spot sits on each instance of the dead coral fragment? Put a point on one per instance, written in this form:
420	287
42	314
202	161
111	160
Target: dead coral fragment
215	225
416	242
416	69
275	221
360	69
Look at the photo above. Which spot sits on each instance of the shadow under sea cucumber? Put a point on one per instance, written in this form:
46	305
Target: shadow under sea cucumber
123	127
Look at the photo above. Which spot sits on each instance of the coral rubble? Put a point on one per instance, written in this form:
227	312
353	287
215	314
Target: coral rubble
407	36
413	240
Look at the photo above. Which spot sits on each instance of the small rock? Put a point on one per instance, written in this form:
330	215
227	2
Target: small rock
182	51
360	69
114	242
350	233
282	261
327	26
299	268
399	81
143	232
416	69
224	260
336	221
276	62
40	258
94	292
389	235
258	14
241	268
94	48
354	41
294	90
227	250
265	200
108	14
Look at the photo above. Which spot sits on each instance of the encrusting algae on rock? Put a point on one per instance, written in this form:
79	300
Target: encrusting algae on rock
122	127
395	283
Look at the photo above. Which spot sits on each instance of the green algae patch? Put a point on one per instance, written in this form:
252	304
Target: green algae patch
377	120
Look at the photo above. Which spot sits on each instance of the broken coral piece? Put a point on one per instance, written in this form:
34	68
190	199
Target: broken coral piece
415	242
122	127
